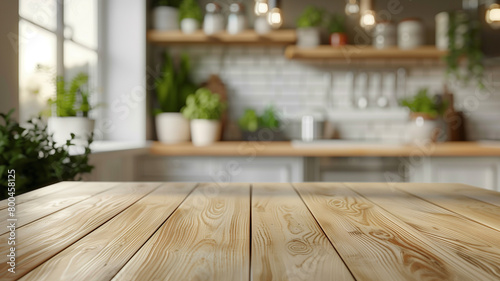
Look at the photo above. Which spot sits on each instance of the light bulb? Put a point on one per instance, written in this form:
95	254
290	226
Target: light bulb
493	16
367	20
274	18
261	7
351	8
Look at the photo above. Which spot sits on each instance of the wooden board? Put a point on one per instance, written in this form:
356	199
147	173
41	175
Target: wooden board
99	255
287	243
280	37
481	194
356	149
375	244
473	243
349	52
480	211
41	192
35	209
206	238
45	238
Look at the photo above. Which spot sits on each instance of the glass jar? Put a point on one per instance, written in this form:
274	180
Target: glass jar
411	34
384	35
214	21
236	21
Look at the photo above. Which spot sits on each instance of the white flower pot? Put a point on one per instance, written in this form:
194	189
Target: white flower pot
63	127
189	25
205	132
261	25
172	127
165	18
420	130
308	37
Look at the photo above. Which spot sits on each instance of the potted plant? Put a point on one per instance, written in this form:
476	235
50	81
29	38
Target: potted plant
204	109
308	32
424	112
166	14
69	110
261	128
190	15
336	27
35	157
172	89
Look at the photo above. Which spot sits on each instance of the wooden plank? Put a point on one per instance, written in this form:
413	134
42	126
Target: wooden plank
41	192
471	208
35	209
278	148
206	238
40	240
99	255
473	243
287	243
349	52
481	194
375	244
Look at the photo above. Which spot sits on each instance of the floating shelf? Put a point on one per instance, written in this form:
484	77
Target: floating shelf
349	52
277	37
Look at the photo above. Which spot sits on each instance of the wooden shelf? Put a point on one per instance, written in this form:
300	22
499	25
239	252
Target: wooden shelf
362	52
277	37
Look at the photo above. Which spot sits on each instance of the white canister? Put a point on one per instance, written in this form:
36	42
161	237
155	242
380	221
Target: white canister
442	29
213	21
236	21
384	35
261	25
411	34
205	132
165	18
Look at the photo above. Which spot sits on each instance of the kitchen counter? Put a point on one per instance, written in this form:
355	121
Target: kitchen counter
249	231
329	149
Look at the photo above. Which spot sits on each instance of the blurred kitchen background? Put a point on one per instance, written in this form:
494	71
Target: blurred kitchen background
346	86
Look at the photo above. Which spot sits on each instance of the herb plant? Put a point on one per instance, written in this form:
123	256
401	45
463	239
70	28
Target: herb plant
189	9
35	157
251	122
203	105
423	103
72	99
336	24
269	119
311	17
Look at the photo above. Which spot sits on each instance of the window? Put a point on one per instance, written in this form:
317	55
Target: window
56	37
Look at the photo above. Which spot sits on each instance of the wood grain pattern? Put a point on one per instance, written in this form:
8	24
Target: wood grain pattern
40	240
99	255
279	37
287	243
41	192
35	209
206	238
481	194
475	244
480	211
375	244
238	148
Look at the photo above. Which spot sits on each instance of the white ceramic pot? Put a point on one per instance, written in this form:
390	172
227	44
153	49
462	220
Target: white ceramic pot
384	35
261	25
63	127
165	18
205	132
420	130
189	25
308	37
172	127
411	34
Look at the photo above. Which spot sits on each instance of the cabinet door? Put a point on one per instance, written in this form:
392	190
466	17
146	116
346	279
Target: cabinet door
482	172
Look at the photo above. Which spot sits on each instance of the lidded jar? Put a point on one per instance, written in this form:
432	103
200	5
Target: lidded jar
213	21
236	21
384	35
411	33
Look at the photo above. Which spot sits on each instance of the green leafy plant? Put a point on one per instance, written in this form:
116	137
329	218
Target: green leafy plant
35	157
189	9
423	103
203	104
336	24
173	87
470	49
311	17
251	122
72	98
269	119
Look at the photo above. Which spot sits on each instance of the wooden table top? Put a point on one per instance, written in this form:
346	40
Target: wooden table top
325	149
266	231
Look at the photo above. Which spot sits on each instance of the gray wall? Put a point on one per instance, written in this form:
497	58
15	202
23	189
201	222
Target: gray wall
9	69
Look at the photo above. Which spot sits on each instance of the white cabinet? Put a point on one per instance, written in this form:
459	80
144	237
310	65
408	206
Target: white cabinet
221	169
482	172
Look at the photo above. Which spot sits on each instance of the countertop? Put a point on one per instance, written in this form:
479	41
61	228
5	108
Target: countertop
248	231
329	149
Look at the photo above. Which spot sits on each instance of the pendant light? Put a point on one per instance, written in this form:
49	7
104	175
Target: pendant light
493	15
367	19
275	16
